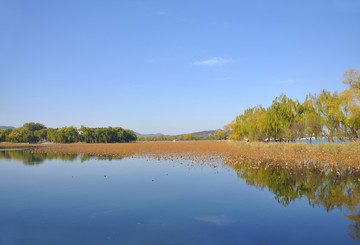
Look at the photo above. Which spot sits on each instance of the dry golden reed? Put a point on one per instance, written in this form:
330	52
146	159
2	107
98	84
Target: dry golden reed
230	153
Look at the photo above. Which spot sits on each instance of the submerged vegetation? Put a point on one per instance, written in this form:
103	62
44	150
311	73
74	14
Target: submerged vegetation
340	158
327	115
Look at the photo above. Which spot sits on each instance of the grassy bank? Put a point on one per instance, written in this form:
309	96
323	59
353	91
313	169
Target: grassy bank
301	147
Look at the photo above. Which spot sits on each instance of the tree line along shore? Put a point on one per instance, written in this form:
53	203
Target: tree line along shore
37	132
320	116
325	115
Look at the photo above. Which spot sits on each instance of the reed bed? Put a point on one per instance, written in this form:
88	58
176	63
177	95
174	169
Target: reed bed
351	147
282	155
205	151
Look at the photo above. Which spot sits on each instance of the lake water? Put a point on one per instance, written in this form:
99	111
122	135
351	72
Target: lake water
49	199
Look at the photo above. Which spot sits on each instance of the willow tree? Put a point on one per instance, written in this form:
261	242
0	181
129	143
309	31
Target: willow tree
352	78
311	118
251	124
329	108
332	115
297	128
351	104
237	128
284	109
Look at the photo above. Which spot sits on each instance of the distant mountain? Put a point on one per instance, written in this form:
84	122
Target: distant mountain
147	135
6	127
205	133
201	133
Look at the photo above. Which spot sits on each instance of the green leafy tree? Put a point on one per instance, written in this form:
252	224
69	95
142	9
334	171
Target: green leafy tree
311	118
329	108
351	104
66	135
4	134
285	110
21	135
220	135
41	134
34	126
189	137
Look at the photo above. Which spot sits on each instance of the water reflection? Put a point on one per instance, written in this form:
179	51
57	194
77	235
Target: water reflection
31	159
327	189
322	187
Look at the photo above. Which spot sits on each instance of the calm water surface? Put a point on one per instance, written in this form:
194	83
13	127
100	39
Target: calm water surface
48	199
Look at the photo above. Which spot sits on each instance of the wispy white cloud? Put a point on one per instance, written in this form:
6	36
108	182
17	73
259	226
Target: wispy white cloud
217	220
216	61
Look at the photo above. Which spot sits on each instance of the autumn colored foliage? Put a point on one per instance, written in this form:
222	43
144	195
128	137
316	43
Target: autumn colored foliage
326	115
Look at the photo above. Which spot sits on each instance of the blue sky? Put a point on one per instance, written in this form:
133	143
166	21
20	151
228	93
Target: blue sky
167	66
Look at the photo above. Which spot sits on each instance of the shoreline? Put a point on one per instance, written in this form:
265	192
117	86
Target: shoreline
294	156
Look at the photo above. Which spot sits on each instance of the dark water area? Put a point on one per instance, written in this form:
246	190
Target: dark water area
78	199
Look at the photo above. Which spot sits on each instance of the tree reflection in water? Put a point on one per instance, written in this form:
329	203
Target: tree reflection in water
31	159
323	188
